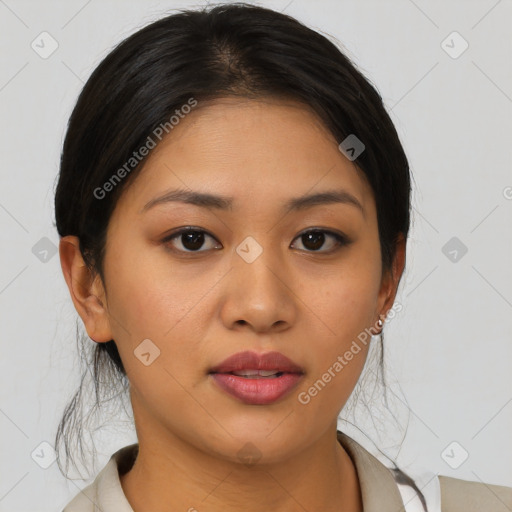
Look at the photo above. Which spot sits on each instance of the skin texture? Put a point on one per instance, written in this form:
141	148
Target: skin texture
200	307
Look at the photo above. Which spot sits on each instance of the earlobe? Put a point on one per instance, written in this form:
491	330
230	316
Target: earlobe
86	290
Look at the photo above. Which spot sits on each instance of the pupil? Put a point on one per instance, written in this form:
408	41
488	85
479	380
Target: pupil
193	240
317	237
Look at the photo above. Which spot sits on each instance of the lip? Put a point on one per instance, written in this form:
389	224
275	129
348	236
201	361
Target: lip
249	360
257	391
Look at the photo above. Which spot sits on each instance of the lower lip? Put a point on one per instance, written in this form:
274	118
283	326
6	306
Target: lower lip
261	391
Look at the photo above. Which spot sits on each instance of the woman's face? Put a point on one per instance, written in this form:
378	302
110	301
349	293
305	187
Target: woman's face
245	280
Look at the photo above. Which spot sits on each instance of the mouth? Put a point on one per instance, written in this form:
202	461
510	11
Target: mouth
257	379
255	374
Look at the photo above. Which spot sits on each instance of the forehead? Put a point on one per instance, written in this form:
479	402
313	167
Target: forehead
256	151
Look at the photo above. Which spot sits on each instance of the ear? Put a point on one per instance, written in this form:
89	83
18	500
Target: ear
86	290
391	279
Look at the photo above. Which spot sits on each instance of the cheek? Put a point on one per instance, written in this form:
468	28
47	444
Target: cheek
342	302
338	355
147	293
342	307
346	311
149	299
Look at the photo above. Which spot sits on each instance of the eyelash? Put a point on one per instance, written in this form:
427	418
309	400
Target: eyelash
341	240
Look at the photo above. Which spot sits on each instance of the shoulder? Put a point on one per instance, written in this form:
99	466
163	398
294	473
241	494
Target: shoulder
84	501
105	493
466	496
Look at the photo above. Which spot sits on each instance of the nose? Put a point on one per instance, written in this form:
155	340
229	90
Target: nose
259	295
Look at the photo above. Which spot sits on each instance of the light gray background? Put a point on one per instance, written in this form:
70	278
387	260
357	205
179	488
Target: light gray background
449	348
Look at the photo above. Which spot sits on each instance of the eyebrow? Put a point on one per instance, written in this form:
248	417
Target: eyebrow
218	202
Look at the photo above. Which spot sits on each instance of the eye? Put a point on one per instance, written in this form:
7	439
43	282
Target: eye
314	239
190	238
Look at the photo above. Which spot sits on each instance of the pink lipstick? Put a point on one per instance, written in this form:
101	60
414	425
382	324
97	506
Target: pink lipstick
257	379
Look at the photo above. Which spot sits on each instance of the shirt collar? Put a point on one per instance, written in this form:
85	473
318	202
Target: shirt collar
378	486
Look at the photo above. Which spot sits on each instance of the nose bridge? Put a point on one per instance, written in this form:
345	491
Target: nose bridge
258	291
257	265
261	272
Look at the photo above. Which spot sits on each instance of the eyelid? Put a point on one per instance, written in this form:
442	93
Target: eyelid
185	229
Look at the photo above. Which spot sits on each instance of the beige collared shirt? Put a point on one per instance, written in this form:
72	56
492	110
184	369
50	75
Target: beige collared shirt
382	490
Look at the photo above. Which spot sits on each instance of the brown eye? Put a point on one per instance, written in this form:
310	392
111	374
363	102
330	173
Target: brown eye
191	240
314	239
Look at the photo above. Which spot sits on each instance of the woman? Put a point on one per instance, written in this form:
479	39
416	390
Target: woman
233	205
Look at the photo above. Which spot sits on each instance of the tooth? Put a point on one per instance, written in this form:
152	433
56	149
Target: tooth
256	373
267	373
246	373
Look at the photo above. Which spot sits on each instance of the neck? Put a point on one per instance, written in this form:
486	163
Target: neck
172	475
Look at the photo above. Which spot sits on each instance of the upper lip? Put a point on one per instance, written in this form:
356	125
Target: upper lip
253	361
